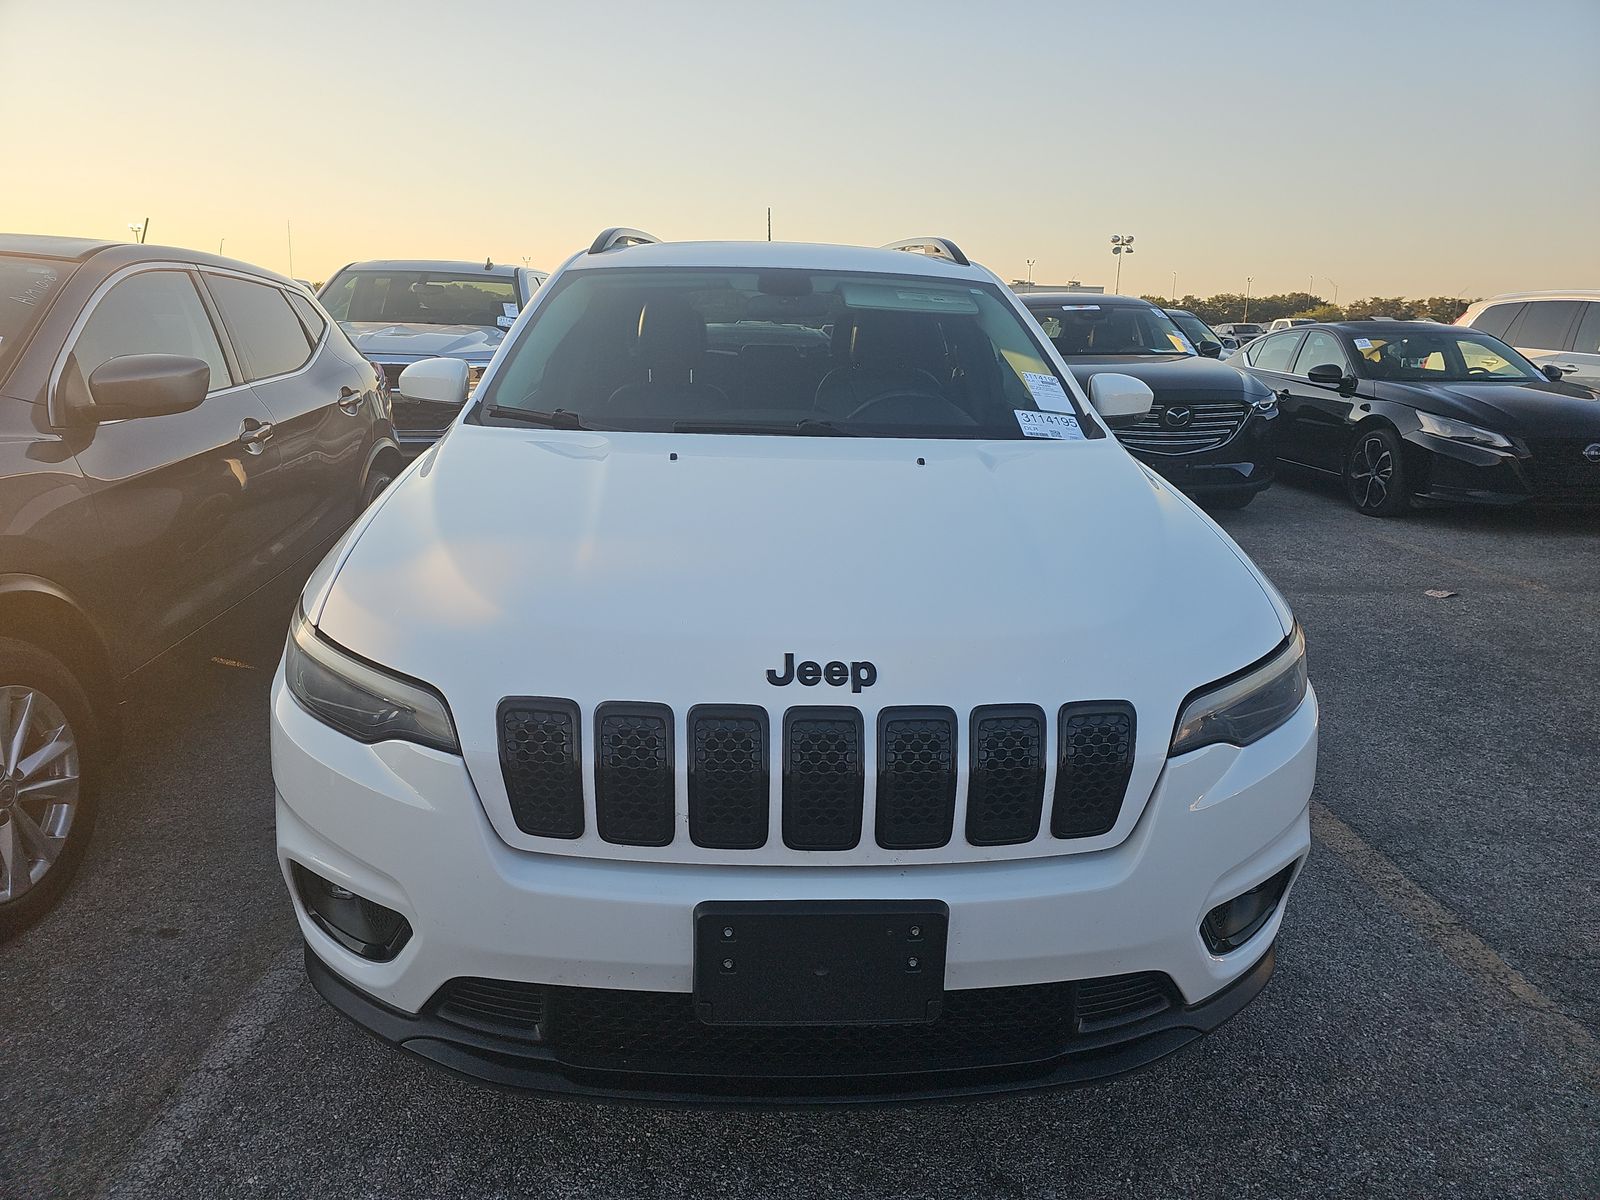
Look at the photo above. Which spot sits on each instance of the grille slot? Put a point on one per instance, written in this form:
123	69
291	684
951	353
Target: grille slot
1118	1000
730	786
539	762
1096	761
1212	424
822	778
1005	792
916	777
502	1007
633	777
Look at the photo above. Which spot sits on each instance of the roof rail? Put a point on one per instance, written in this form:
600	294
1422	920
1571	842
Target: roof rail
620	235
934	247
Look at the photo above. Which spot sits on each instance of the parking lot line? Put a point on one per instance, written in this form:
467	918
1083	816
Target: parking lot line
1460	564
1577	1049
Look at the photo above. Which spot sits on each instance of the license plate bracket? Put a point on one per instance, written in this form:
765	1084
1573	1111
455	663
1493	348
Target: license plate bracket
820	962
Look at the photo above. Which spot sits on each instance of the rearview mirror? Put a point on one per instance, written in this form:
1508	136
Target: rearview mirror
435	381
147	385
1329	375
1210	349
1116	395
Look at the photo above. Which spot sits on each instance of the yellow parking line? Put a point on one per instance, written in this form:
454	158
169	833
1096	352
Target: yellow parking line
1576	1047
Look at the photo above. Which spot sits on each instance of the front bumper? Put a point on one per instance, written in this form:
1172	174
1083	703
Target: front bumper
1243	465
1451	472
402	825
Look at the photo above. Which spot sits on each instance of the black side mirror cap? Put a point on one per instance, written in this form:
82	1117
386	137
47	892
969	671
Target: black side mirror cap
1209	349
147	385
1553	373
1329	375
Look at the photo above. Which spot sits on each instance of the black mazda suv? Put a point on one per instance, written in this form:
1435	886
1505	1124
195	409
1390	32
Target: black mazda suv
1211	428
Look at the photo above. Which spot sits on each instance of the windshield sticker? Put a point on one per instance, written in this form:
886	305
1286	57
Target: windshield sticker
1181	342
509	309
1080	308
505	322
1363	343
1047	392
1059	426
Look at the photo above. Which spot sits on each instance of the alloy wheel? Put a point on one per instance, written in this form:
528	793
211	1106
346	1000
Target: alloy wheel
1371	472
39	784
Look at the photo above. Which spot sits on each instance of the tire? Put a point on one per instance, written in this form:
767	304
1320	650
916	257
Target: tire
1228	501
380	477
43	835
1374	473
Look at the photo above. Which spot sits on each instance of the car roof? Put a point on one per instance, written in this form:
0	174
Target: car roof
1568	295
1084	298
111	256
51	247
758	255
434	264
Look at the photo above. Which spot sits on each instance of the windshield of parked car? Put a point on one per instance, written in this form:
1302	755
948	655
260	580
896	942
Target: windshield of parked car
779	351
27	286
1089	329
1194	328
1444	355
420	297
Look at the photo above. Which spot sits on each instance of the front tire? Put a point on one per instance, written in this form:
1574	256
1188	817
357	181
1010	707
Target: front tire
47	801
380	477
1374	473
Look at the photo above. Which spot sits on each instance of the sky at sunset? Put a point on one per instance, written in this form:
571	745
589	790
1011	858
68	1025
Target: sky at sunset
1400	147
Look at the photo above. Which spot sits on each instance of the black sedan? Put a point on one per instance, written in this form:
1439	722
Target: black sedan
1210	430
1412	410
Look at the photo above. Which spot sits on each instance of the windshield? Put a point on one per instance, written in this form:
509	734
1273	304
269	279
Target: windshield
27	286
1194	328
421	297
1444	355
779	351
1098	330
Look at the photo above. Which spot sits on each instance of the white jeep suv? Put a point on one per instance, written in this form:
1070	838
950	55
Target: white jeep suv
781	687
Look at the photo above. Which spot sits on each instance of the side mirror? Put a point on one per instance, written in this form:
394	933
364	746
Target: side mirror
436	381
1210	349
1329	375
147	385
1553	373
1116	395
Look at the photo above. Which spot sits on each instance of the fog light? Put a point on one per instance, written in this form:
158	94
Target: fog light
1234	922
361	926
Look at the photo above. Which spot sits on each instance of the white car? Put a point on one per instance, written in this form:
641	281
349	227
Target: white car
1288	323
780	686
1559	330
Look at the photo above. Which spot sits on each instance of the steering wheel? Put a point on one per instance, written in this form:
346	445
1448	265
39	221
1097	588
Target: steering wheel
918	395
1479	371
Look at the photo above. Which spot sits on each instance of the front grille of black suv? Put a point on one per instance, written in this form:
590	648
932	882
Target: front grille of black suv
823	757
659	1032
1209	425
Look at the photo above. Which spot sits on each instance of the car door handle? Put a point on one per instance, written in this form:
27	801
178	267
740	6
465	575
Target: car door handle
254	434
350	400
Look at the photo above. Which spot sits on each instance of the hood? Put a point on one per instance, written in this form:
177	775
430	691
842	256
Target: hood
1166	374
376	338
681	569
1531	409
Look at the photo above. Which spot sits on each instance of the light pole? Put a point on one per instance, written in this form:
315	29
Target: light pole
1247	282
1174	287
1120	245
139	229
1030	262
1335	289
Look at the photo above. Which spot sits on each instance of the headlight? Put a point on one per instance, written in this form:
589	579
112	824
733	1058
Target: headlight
1265	402
1249	707
1460	431
360	700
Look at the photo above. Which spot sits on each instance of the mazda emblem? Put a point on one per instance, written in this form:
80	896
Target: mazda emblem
1592	452
1177	417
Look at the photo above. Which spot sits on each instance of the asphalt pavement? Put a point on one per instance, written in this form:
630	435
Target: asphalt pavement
1433	1027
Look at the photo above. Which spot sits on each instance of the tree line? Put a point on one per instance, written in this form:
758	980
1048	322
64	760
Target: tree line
1230	306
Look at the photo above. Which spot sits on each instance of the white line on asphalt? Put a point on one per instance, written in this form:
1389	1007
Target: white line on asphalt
1576	1046
157	1155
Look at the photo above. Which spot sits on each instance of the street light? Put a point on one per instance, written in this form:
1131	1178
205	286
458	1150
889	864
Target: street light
1031	261
139	229
1247	282
1120	244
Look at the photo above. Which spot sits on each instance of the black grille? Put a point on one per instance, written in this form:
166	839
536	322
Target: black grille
659	1031
916	777
822	778
633	780
1208	425
539	761
729	778
1096	759
1559	471
513	1010
1005	792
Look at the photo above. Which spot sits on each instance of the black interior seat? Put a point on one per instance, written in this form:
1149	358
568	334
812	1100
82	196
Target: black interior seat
885	352
774	375
669	352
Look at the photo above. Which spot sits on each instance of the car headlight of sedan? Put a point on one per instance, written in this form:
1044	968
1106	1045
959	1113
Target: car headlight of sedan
1248	707
1460	431
361	700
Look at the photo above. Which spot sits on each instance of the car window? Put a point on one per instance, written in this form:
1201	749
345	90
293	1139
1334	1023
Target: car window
1088	329
266	332
1587	339
420	297
1448	354
309	316
1273	353
1320	349
1544	324
785	351
1196	329
28	286
1496	319
153	312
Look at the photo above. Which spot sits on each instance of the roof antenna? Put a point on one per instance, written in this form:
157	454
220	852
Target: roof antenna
769	222
488	263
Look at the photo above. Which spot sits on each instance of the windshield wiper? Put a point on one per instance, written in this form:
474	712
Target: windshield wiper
558	418
806	428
